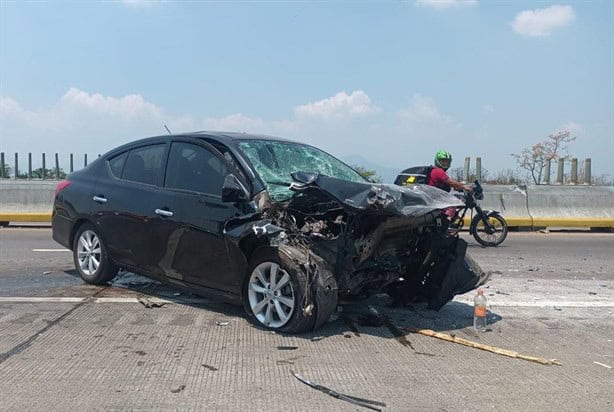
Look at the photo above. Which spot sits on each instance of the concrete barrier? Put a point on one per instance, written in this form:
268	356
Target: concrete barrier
571	206
26	201
510	201
522	206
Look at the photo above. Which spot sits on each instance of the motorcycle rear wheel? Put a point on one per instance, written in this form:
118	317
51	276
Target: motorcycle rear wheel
492	234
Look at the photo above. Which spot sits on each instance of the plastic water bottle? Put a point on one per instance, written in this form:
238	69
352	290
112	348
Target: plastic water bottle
480	311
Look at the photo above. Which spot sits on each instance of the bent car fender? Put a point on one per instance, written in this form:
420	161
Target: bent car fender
463	275
322	284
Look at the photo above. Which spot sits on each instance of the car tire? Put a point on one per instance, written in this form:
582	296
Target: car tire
91	257
279	295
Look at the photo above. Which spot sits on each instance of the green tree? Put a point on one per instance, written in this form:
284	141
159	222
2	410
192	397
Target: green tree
534	159
6	171
370	175
49	173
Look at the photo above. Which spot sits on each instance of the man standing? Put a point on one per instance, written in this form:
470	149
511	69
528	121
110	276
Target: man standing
438	176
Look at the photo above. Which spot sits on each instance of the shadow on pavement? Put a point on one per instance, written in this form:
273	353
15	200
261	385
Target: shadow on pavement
375	316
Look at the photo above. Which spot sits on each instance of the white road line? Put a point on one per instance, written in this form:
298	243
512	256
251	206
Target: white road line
545	303
51	250
131	300
36	299
33	299
510	303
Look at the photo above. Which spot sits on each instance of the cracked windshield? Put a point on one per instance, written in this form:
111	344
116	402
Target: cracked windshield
275	162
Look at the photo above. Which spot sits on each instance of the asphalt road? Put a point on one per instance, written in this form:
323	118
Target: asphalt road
66	345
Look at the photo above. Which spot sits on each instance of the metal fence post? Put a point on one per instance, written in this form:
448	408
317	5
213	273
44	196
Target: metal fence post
478	169
587	171
85	160
466	169
71	163
559	172
44	174
547	172
574	171
29	165
2	165
16	166
57	167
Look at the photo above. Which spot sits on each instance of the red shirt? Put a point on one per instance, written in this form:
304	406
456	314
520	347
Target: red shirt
438	178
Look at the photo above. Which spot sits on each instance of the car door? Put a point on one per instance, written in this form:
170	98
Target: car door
189	229
126	196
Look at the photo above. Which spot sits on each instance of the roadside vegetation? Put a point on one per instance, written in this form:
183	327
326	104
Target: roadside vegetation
532	166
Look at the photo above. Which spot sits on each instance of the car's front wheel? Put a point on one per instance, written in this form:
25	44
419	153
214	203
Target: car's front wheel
280	295
91	257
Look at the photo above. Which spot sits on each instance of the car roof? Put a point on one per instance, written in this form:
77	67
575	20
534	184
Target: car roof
235	136
228	138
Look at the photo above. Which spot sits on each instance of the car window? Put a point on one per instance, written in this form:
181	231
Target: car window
144	164
193	167
117	164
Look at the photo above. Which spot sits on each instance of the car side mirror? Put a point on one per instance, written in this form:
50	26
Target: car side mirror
233	190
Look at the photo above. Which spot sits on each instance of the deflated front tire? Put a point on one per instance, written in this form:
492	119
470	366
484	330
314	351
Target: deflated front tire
284	290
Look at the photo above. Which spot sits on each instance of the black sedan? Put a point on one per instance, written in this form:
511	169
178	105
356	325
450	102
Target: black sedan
281	227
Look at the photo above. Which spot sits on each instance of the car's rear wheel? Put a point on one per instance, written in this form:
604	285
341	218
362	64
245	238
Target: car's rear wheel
91	257
279	295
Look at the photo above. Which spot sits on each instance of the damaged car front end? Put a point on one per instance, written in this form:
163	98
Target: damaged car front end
332	238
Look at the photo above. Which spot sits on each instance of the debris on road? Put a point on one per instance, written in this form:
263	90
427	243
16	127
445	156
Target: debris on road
287	347
602	364
488	348
317	338
211	368
289	361
218	323
150	304
178	389
365	403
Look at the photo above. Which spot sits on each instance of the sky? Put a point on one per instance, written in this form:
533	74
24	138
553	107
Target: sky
382	83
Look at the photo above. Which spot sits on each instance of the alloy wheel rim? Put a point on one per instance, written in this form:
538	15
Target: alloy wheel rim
89	252
271	295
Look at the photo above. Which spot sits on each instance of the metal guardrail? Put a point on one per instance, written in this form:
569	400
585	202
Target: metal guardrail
58	171
41	173
560	175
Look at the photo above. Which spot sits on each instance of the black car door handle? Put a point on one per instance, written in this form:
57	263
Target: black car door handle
100	199
165	213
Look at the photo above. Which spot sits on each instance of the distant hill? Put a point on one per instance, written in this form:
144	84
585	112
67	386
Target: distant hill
387	173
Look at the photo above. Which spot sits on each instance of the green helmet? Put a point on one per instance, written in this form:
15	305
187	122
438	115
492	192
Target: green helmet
443	155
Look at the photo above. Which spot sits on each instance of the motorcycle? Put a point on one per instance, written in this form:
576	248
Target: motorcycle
488	227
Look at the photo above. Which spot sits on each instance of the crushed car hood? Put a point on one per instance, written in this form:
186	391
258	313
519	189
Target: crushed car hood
393	200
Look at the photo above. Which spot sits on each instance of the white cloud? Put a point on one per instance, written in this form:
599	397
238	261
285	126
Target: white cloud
576	129
446	4
542	22
423	110
339	106
488	108
128	107
140	3
234	122
81	121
